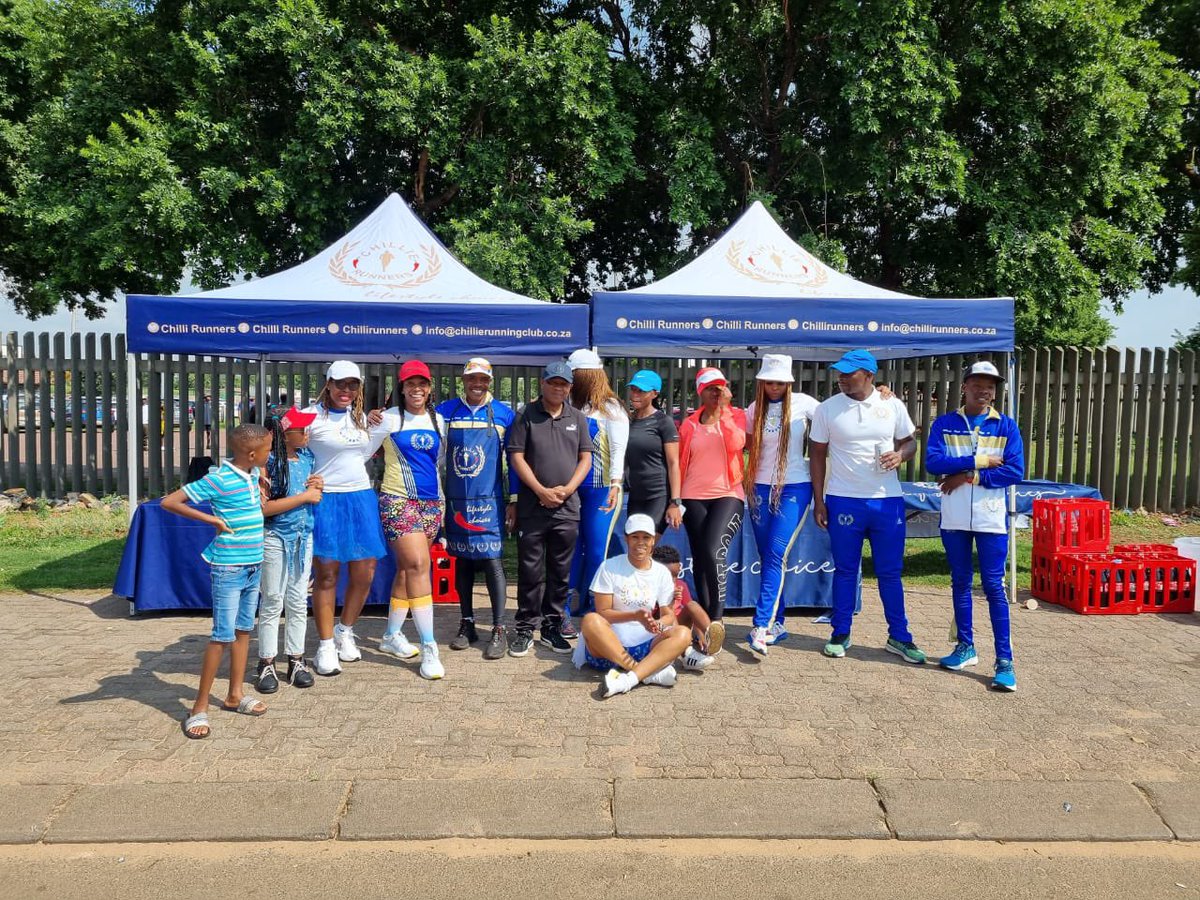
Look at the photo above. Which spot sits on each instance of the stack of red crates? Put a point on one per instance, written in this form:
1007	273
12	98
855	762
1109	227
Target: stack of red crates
441	574
1073	567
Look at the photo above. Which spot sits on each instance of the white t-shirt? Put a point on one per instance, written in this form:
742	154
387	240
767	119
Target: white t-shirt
856	432
631	589
342	449
803	409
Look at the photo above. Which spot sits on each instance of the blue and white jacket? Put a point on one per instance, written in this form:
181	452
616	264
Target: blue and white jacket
953	447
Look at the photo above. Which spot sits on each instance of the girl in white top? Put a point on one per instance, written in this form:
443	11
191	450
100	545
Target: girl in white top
633	627
346	521
778	487
601	494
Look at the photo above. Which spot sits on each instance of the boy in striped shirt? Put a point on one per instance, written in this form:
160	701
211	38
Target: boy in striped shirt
235	556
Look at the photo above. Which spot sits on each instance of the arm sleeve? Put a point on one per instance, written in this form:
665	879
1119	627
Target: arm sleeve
618	440
585	433
937	461
377	435
667	431
602	583
665	589
202	490
819	431
904	423
1013	470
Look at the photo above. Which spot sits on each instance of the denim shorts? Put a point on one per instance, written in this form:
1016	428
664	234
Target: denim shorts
234	600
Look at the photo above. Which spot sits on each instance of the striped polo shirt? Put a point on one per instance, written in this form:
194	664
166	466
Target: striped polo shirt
236	500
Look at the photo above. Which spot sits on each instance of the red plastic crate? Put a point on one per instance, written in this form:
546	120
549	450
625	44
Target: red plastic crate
1043	574
1146	550
1071	525
441	573
1170	585
1101	584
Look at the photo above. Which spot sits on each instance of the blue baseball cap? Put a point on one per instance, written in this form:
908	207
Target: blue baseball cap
645	380
558	369
855	360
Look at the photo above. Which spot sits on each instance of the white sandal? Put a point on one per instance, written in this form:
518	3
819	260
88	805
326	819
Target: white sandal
192	721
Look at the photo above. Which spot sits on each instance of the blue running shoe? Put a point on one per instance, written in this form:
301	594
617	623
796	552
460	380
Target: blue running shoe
963	656
1005	678
776	634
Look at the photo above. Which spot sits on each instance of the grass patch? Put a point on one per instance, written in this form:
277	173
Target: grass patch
63	549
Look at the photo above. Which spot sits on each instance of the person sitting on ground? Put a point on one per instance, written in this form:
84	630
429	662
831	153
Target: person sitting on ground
690	614
236	556
623	633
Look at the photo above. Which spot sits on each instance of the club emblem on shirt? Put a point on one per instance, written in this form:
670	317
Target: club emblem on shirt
881	412
468	462
845	519
422	441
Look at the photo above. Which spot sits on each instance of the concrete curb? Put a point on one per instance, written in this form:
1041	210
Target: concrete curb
595	808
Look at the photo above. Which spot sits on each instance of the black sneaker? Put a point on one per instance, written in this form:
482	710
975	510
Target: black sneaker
552	637
495	647
567	629
519	642
467	635
298	674
266	681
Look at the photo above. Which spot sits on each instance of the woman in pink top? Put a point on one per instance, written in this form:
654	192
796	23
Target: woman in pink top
711	441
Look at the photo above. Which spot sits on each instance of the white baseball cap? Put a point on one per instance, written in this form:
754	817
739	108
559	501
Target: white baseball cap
640	522
477	365
775	367
342	368
584	359
983	367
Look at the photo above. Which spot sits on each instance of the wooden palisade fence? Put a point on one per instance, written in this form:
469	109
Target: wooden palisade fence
1123	420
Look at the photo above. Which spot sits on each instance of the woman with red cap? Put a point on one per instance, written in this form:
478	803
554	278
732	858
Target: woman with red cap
411	508
711	441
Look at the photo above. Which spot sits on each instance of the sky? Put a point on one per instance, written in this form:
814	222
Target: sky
1148	321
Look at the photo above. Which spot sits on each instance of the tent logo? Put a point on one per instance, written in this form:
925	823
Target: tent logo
385	264
152	327
776	264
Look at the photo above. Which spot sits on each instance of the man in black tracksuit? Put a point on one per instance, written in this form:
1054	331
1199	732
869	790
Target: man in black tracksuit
550	450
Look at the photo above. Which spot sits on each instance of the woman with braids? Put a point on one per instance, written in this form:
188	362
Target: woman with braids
778	487
601	492
287	547
346	524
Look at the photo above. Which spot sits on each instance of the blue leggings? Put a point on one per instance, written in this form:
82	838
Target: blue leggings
595	534
880	521
776	533
993	553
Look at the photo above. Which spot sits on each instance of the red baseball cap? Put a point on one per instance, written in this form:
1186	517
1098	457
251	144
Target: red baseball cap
414	368
295	418
709	376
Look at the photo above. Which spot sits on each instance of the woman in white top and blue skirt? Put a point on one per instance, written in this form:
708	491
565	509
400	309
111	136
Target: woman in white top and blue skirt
346	522
778	487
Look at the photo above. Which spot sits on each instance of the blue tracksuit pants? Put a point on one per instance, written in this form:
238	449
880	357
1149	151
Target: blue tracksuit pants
776	533
993	553
881	521
595	534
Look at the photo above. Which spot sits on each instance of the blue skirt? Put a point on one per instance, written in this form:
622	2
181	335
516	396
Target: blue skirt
346	527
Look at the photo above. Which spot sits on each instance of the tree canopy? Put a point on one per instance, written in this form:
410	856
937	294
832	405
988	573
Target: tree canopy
1033	148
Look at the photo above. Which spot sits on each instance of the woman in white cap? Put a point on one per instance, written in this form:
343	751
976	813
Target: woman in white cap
778	487
346	521
633	628
600	495
711	441
652	456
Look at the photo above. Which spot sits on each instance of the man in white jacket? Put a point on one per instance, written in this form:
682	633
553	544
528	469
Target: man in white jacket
977	452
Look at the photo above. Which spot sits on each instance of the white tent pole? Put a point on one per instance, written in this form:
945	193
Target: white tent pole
132	421
1012	488
263	400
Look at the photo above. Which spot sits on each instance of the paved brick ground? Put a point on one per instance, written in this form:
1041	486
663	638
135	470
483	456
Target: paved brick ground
96	698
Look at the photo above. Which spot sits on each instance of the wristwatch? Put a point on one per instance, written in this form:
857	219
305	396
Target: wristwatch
677	501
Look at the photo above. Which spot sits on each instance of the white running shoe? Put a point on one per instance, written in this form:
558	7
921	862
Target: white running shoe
343	638
694	659
326	660
431	666
758	640
396	644
664	677
618	682
777	634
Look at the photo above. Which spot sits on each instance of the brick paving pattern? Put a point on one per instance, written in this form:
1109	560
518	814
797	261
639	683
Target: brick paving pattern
96	698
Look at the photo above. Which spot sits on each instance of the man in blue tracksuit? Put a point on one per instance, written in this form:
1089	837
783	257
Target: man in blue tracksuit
976	453
860	439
